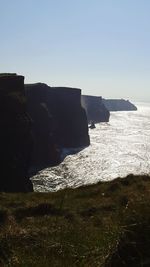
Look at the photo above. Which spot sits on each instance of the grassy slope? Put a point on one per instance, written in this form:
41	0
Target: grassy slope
106	224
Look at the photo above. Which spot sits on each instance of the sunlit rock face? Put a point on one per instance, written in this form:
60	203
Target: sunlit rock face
58	121
15	135
95	109
119	105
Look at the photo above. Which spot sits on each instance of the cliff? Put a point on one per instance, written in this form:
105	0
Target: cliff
45	149
15	135
71	117
58	121
95	109
118	105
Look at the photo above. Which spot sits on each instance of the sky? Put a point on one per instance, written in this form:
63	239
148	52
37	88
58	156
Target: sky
100	46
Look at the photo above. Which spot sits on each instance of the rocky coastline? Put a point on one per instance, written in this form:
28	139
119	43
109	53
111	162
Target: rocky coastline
38	122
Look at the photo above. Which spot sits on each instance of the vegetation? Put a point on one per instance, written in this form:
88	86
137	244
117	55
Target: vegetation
106	225
7	74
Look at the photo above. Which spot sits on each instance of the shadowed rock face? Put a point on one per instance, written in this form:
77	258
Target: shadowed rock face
72	128
119	105
58	121
45	151
95	109
15	135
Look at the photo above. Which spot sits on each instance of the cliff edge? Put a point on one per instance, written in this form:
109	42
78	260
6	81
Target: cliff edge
58	121
15	135
119	105
95	109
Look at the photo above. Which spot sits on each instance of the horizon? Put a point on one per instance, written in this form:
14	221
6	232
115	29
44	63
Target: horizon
102	48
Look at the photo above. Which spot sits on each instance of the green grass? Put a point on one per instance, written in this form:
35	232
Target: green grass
106	225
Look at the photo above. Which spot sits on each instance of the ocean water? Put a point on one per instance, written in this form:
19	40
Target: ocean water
117	149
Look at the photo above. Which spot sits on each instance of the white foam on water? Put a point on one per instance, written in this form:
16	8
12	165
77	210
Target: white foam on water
117	149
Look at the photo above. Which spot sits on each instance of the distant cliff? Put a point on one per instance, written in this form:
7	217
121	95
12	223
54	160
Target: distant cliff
95	109
15	135
118	105
58	121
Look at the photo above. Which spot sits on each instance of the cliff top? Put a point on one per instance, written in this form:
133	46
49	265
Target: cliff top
36	84
10	76
116	99
7	74
91	96
106	224
57	88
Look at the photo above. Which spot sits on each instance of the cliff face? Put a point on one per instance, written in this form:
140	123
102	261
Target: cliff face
58	121
95	109
119	105
72	128
15	135
45	149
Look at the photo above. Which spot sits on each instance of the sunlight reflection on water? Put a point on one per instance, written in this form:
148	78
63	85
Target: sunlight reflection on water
117	148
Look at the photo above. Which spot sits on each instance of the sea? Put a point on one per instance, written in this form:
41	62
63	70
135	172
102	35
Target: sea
118	148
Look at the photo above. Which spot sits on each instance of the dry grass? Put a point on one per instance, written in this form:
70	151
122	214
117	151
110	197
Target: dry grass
107	225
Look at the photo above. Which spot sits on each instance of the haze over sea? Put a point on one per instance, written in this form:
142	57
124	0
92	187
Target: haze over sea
117	149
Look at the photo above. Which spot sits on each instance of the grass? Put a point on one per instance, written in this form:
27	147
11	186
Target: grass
105	225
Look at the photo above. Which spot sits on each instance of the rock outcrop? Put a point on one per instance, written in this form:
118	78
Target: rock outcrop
58	121
15	135
95	109
119	105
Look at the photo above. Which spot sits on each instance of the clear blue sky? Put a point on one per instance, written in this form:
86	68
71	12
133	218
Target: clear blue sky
101	46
